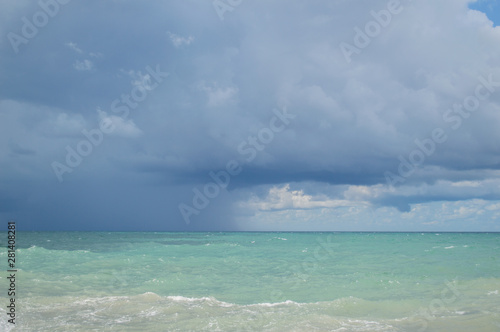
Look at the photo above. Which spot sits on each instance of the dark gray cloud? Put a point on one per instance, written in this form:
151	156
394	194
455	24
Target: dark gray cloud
186	94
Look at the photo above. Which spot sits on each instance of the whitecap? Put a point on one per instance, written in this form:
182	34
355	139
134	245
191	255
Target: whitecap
211	300
266	304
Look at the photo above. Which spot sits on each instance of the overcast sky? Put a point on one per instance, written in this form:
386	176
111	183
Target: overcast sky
250	115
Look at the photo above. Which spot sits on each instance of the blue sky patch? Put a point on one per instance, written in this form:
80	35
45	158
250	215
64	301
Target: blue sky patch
490	7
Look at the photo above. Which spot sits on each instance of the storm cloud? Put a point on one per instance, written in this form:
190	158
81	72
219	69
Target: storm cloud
168	115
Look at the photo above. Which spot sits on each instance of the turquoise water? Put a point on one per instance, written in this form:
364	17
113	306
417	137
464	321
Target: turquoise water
79	281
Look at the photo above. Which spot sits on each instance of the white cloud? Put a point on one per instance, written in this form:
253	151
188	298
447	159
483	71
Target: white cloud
68	122
140	80
361	193
74	47
179	41
283	198
84	65
218	96
466	184
493	207
122	127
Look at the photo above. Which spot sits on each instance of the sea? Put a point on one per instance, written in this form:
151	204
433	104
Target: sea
245	281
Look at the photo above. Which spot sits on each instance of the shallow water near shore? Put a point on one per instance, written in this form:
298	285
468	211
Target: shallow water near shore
90	281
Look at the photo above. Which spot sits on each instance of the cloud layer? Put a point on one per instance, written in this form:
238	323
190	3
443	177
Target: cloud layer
180	89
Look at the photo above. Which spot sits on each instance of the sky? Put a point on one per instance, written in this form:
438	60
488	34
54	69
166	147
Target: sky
238	115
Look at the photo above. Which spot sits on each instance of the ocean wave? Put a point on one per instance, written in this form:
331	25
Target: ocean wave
213	301
4	324
150	311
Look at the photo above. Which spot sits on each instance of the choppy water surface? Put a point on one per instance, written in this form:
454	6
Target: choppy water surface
82	281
